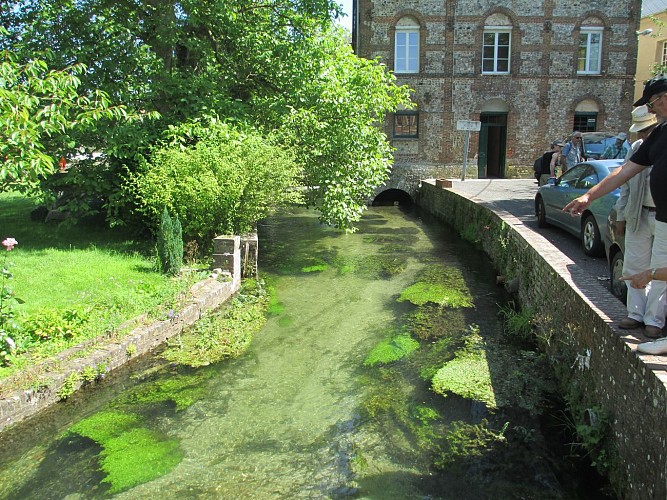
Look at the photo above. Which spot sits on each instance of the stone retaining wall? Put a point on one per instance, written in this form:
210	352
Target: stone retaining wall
605	380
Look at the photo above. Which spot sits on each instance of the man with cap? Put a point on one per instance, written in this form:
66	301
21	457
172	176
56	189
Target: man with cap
635	217
616	150
653	151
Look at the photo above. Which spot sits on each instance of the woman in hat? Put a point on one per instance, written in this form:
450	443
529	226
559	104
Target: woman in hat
636	218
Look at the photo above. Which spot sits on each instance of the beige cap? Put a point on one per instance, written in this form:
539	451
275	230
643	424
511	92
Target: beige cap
642	119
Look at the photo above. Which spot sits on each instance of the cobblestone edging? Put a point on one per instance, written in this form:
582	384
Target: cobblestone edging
576	318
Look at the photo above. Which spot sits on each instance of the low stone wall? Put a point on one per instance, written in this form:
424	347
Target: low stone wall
63	372
609	387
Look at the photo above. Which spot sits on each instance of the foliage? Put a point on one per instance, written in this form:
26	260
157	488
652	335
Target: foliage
170	244
393	349
518	324
7	302
50	324
78	282
131	455
282	67
224	334
38	107
235	177
69	386
464	441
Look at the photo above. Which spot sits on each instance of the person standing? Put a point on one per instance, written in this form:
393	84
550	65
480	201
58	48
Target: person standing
653	151
573	152
636	218
618	149
550	161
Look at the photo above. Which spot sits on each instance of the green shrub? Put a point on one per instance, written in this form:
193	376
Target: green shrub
223	185
170	244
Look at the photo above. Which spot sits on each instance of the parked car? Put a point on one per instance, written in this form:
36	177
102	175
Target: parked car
615	249
596	142
591	225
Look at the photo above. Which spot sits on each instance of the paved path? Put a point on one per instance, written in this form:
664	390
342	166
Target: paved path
517	196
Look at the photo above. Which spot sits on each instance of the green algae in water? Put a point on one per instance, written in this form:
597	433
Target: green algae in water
315	269
391	350
423	293
468	374
439	284
433	321
465	441
181	390
130	455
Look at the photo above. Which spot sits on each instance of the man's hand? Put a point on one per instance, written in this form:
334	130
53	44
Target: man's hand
578	205
619	228
639	280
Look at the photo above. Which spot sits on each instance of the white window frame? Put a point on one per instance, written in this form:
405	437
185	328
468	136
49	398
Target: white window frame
663	59
497	31
406	49
592	64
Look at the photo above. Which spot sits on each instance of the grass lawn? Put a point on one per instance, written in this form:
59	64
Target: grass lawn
77	282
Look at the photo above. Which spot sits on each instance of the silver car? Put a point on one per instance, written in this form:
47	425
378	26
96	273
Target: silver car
591	225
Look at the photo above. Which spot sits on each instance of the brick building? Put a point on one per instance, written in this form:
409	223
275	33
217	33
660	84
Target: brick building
529	71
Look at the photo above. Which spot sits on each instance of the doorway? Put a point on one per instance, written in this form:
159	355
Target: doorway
492	145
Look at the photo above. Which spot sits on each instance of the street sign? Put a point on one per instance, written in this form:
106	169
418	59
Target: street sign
468	125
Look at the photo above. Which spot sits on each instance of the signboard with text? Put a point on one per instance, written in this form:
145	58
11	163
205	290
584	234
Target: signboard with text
470	125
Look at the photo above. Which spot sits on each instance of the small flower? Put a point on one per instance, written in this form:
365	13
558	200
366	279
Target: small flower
171	314
10	243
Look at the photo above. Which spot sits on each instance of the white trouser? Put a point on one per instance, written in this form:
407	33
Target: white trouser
646	248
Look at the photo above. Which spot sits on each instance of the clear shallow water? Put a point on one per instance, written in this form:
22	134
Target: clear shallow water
285	420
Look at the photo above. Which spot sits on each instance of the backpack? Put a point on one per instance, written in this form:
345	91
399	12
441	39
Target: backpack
537	166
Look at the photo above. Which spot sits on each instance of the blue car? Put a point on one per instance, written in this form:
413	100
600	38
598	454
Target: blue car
591	225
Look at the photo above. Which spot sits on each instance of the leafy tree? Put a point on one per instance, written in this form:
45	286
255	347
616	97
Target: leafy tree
37	104
275	65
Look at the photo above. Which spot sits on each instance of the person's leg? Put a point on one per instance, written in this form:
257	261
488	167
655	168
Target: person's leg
655	306
637	258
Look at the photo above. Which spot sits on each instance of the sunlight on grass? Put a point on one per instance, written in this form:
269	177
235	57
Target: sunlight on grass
103	276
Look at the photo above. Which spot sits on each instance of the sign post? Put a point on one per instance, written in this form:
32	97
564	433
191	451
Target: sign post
468	126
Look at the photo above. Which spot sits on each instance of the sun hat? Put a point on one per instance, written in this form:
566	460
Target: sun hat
642	119
652	87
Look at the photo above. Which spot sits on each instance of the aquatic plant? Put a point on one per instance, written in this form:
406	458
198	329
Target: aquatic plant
225	333
130	455
439	284
464	441
391	350
180	390
518	323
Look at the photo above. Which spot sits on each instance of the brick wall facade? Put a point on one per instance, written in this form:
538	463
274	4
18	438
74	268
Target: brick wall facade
539	95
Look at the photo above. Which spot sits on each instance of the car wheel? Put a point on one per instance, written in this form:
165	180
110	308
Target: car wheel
540	212
590	237
618	286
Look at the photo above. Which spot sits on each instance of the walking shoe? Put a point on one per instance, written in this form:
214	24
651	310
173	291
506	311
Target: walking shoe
657	347
629	324
653	332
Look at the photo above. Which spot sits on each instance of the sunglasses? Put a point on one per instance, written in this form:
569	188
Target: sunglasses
650	104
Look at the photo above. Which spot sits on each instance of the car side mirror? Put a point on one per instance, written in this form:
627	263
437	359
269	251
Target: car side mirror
552	181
